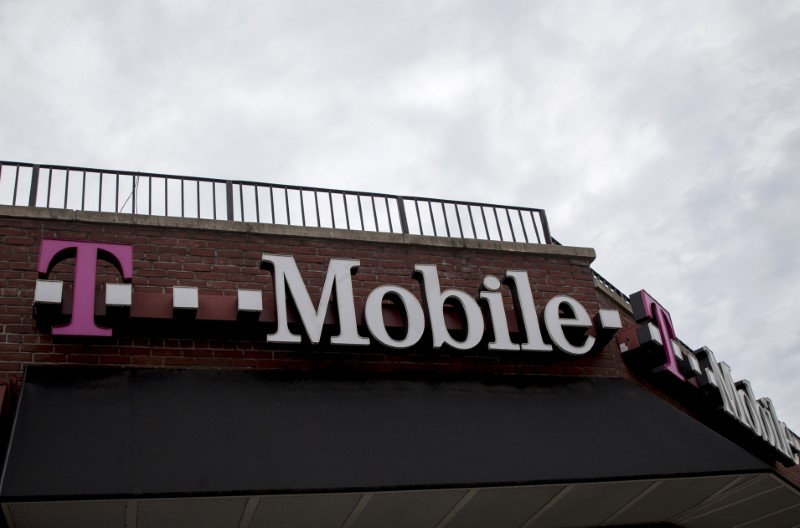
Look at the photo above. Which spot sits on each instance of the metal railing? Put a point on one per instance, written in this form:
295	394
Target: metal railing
602	280
605	282
84	189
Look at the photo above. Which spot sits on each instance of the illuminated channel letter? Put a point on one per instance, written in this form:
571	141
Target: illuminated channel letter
555	324
285	274
776	434
435	300
644	308
526	310
747	402
718	375
373	313
86	256
493	297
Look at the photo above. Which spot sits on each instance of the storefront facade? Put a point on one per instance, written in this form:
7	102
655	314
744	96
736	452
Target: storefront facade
164	371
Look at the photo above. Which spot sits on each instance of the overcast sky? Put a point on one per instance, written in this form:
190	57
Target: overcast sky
666	135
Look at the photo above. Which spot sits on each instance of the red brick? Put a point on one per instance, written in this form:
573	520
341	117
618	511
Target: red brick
178	361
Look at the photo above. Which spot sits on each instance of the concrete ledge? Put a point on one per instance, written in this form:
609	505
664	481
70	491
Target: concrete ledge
91	217
613	295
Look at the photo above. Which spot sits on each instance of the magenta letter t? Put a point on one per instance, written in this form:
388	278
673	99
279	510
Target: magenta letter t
86	255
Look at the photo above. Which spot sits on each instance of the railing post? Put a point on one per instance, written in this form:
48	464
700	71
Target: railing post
401	209
229	198
545	228
34	186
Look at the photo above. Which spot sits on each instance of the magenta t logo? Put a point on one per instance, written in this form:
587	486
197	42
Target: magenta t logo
86	255
645	307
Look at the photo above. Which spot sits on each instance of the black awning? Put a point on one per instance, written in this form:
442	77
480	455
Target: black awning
101	432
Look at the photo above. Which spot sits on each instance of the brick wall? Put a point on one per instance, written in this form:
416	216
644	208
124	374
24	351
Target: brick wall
221	257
